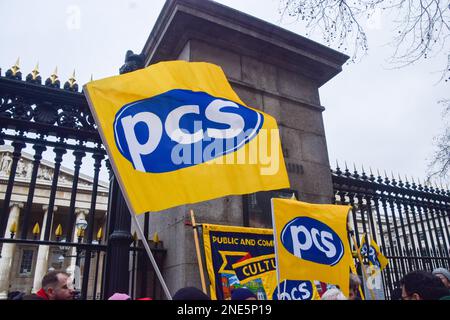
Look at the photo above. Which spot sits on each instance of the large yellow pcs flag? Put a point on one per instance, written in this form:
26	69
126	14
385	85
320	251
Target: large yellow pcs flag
311	242
177	133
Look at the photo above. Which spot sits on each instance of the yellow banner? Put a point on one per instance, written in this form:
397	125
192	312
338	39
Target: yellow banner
177	133
241	256
237	257
311	242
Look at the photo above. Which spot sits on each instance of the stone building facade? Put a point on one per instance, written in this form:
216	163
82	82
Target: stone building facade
23	266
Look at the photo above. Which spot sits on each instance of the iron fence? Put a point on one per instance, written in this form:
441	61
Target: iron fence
410	222
45	119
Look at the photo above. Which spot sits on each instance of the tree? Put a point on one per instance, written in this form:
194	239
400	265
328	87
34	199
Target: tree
422	31
439	166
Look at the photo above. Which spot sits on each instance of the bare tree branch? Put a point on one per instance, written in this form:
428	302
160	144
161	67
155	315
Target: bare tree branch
422	31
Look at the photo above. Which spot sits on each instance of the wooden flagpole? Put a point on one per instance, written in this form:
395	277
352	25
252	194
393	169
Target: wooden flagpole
150	255
199	256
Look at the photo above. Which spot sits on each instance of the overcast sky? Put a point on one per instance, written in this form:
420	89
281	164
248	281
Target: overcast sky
375	116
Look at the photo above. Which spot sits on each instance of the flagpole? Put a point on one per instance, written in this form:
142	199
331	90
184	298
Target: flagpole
150	255
197	248
275	242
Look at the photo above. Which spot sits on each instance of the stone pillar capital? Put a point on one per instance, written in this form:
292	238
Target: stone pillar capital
81	211
45	208
17	204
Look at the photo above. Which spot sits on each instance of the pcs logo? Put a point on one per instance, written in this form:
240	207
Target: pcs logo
294	290
312	240
372	255
147	132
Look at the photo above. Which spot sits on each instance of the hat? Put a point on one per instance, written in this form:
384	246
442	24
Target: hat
119	296
442	271
242	294
190	293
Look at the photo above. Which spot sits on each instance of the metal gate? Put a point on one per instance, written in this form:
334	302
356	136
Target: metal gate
51	214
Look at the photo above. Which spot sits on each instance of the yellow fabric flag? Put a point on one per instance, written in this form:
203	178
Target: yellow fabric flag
311	242
376	258
177	133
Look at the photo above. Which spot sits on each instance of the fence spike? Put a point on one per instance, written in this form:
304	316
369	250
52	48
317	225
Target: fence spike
338	170
15	68
99	233
36	229
14	71
58	231
35	71
71	83
54	76
13	228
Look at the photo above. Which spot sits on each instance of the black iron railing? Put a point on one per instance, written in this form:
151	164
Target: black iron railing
410	222
45	118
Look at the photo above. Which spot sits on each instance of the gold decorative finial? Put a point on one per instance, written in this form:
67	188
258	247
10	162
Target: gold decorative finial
58	231
72	79
54	75
80	233
99	234
13	228
35	71
155	237
15	68
36	229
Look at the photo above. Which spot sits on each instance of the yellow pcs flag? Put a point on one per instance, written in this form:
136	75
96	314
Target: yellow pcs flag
375	257
177	133
311	242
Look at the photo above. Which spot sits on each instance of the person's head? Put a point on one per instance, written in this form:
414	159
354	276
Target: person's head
57	286
444	275
243	294
190	293
333	294
421	285
355	282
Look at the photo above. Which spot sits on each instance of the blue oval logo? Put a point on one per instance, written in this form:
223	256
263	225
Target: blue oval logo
312	240
372	255
182	128
294	290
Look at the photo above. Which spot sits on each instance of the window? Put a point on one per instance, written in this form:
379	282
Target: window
26	262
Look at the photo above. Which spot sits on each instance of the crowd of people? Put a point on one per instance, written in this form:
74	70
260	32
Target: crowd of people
416	285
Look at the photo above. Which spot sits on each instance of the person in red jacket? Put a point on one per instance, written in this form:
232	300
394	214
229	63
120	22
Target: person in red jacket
56	285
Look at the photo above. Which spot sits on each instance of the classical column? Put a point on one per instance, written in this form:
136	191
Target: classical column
72	268
42	256
8	250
